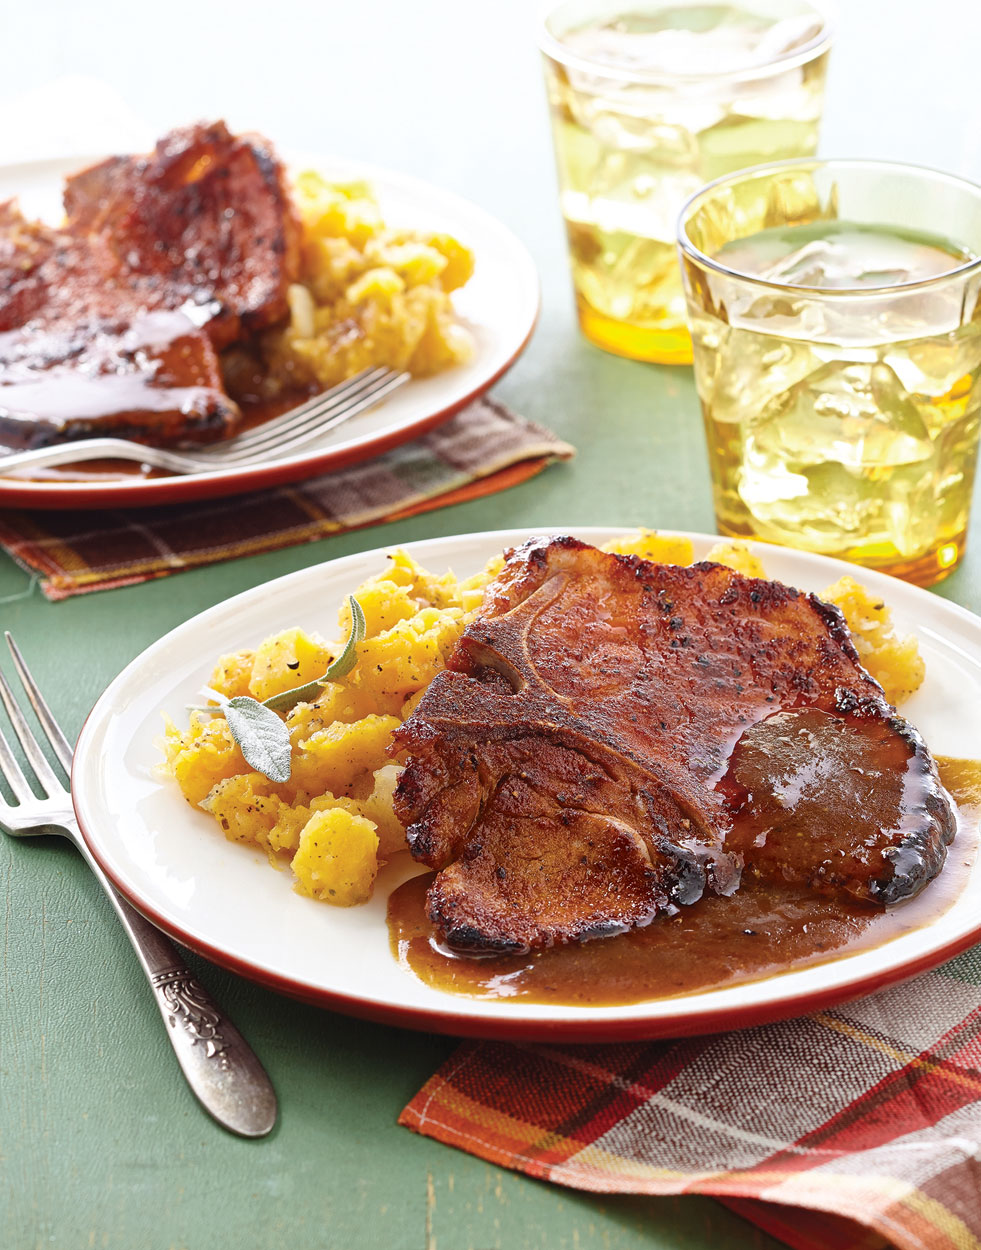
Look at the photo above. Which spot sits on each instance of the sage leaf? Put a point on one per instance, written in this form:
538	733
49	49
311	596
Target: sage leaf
349	656
310	692
261	735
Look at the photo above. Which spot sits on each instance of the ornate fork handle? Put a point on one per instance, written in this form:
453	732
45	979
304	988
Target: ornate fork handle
185	1001
225	1075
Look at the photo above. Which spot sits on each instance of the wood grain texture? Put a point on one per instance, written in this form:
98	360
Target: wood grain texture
102	1147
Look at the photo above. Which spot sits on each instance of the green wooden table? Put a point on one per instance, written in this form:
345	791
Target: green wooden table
101	1143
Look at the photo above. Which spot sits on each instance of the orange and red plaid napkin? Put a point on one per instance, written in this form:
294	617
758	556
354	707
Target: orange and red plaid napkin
851	1129
484	448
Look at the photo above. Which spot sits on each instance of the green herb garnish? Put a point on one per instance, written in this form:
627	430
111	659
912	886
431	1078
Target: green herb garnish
261	734
340	667
263	737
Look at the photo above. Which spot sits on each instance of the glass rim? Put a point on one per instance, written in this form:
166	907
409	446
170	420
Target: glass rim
689	249
553	47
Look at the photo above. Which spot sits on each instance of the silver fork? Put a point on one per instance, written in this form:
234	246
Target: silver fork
272	440
225	1075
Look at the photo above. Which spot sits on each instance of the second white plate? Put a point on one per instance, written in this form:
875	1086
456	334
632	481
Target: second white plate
499	305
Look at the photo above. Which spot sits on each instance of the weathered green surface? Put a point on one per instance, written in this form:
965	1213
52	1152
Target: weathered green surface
101	1145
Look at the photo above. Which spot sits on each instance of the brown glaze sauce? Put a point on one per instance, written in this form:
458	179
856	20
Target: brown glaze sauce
245	385
759	931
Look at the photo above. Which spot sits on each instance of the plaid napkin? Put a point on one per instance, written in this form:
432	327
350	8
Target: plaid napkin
484	448
846	1130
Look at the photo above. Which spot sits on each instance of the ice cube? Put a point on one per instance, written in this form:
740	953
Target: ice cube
900	435
578	155
750	372
843	455
829	508
790	315
936	366
631	194
796	94
830	264
858	415
646	274
807	266
910	511
625	277
697	107
666	145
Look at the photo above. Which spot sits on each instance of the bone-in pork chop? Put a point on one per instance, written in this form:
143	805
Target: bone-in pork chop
206	219
613	737
110	323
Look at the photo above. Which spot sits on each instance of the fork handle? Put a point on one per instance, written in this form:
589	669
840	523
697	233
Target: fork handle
221	1069
70	453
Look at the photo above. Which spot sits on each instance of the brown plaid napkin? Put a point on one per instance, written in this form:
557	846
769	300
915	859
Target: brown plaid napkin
484	448
846	1130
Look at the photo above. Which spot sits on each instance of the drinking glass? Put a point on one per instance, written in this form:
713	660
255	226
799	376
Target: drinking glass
835	309
649	101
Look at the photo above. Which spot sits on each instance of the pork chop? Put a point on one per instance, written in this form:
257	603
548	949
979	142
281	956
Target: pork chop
613	737
156	372
180	252
206	219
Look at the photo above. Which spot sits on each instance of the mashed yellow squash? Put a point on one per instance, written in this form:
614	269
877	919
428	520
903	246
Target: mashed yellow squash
368	294
333	821
892	658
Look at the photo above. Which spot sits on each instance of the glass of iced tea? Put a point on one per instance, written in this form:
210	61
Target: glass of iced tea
835	310
649	101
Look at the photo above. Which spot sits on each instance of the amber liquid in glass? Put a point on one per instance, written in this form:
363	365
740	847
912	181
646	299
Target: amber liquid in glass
630	152
821	439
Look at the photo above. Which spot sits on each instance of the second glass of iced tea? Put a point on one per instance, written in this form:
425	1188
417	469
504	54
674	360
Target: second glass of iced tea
649	101
836	315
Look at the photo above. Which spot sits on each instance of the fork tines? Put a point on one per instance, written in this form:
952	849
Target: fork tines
317	415
9	767
59	743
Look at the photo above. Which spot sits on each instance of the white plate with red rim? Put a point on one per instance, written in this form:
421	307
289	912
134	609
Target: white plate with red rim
223	900
499	305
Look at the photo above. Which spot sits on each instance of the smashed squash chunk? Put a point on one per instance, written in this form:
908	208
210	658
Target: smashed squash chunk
738	557
384	604
201	755
650	545
337	858
893	659
246	806
330	760
233	674
409	655
289	659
